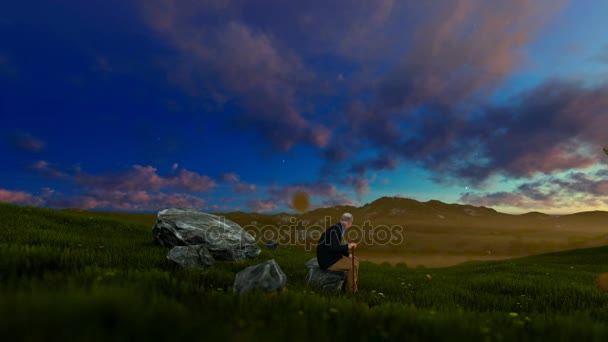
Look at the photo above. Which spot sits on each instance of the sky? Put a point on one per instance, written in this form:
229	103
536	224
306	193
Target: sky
224	105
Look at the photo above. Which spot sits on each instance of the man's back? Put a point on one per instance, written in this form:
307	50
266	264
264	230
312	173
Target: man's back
330	249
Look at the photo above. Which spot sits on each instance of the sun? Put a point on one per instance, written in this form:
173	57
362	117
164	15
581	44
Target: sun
300	201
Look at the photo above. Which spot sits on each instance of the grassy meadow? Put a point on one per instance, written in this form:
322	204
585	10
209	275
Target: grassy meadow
68	275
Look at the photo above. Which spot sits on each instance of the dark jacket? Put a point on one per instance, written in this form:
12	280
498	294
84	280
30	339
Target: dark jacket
329	249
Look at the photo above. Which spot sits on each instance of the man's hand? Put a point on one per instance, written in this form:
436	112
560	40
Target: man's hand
352	245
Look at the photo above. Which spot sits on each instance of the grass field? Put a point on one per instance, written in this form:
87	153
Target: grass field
70	275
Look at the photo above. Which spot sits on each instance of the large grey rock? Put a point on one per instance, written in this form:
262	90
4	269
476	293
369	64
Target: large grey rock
265	276
197	256
224	239
323	279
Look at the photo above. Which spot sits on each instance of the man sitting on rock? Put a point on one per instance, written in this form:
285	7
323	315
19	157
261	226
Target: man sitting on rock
332	255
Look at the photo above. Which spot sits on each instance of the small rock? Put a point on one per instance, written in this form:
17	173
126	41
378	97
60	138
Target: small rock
266	276
312	263
197	256
324	279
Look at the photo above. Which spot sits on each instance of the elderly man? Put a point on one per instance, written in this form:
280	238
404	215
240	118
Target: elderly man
334	256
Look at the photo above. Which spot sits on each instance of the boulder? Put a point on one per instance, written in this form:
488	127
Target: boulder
324	279
197	256
272	244
224	239
312	263
266	276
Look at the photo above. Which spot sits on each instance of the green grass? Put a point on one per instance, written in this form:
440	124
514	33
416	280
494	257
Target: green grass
67	275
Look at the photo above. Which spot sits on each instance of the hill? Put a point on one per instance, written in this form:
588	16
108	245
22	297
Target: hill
68	276
441	234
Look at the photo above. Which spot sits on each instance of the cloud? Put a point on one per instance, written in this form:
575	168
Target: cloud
244	188
417	107
551	128
230	177
360	184
139	189
285	193
44	169
602	173
249	63
27	142
138	178
135	200
258	205
579	183
554	127
20	197
419	81
337	201
546	193
378	163
502	199
145	178
191	182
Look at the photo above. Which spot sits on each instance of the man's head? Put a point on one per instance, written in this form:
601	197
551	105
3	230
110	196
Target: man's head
346	220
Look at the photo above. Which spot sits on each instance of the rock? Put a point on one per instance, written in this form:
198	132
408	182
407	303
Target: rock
324	279
266	276
197	256
312	263
272	244
224	239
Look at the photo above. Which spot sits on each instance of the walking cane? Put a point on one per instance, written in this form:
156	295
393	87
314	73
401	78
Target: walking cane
354	284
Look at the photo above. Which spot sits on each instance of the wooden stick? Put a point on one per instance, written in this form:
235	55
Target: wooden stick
353	254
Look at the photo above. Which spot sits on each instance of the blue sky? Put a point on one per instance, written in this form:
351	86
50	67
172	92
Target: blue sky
229	105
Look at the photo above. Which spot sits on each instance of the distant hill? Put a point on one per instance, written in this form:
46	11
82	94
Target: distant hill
399	210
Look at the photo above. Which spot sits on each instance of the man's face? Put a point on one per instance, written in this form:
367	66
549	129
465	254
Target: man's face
348	224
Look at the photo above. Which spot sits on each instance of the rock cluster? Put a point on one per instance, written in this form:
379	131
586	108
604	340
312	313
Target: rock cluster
198	239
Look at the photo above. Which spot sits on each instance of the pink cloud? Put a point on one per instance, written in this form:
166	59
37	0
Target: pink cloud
145	178
44	169
136	189
129	200
338	201
191	181
244	188
20	197
138	178
261	205
230	177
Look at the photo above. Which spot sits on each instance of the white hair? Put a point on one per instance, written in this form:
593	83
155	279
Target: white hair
347	217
